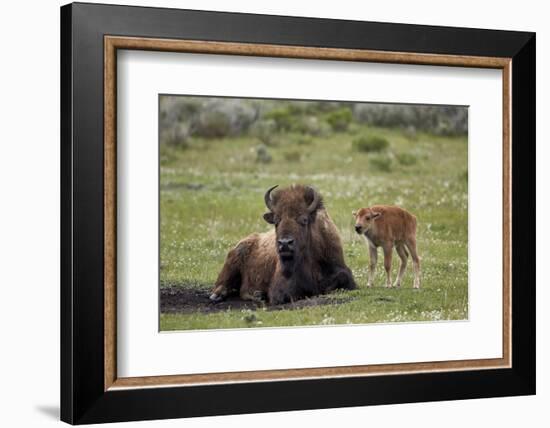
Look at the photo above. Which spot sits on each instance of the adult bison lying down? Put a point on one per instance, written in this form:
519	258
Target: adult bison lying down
301	257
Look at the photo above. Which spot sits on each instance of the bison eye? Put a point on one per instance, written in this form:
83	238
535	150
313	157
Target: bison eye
303	220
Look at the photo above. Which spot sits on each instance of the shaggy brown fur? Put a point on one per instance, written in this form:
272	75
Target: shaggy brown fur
302	257
387	226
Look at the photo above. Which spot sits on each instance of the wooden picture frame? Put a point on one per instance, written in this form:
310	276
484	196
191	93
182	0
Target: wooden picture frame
91	390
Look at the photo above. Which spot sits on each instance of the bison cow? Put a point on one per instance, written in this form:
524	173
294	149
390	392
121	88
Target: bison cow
301	257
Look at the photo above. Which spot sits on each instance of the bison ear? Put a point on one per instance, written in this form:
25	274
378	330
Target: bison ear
269	217
376	214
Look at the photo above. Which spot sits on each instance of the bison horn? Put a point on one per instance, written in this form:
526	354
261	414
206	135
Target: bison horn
315	202
267	196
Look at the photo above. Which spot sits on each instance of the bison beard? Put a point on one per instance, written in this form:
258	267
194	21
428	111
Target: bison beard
301	257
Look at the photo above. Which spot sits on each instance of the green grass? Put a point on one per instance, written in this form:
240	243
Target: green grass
212	196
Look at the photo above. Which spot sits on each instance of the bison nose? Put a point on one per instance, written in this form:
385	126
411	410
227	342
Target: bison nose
285	243
358	228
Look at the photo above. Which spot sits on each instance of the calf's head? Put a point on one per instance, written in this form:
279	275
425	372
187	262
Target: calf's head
364	219
292	210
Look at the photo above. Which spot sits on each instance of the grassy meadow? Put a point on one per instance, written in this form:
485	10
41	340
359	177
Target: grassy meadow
212	196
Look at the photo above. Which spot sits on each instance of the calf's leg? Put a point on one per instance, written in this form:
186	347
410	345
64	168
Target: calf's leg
373	258
402	253
388	248
411	245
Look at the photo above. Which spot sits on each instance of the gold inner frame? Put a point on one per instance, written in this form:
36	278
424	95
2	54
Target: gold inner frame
113	43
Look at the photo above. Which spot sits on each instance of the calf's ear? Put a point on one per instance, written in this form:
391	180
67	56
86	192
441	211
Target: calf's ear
376	214
269	217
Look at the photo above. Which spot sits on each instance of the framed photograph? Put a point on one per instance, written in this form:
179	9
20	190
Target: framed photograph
267	213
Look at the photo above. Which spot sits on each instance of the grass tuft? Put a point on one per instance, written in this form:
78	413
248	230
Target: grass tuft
370	143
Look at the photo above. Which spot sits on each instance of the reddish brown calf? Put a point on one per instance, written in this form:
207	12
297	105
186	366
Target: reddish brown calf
389	226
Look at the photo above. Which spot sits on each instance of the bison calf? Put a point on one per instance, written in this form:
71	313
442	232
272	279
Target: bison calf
388	226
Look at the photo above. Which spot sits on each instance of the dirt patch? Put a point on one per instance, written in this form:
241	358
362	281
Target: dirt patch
189	300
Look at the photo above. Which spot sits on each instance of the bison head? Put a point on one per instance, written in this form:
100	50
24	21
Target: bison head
292	210
364	219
